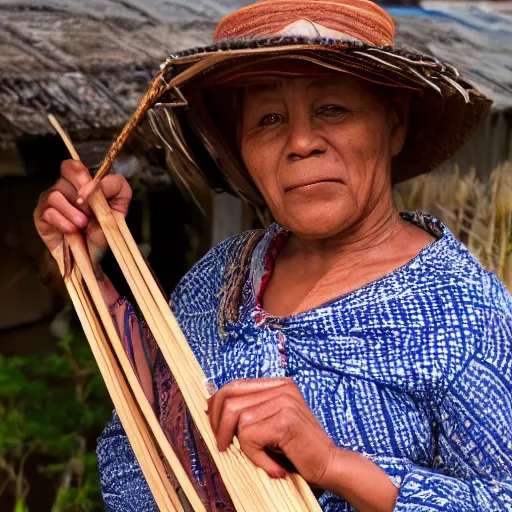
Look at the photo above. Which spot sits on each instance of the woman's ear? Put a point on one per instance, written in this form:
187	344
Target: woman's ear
400	104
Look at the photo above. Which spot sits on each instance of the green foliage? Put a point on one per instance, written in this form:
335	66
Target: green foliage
85	497
20	507
52	406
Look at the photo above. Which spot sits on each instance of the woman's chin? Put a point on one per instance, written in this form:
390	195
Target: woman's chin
318	219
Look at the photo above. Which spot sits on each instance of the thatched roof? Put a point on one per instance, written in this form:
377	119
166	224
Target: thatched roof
88	62
475	37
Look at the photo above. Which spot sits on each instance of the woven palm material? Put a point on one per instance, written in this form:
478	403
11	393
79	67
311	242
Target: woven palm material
444	112
190	109
357	19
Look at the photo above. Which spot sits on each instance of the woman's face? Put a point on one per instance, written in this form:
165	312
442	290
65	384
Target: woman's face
320	149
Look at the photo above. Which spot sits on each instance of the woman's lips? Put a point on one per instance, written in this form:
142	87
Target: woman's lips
311	183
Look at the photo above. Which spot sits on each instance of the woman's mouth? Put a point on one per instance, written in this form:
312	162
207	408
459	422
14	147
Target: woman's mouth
311	183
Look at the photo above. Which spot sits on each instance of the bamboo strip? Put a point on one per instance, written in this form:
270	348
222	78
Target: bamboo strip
148	458
173	344
273	485
162	303
243	491
77	247
83	262
192	389
144	300
305	491
138	435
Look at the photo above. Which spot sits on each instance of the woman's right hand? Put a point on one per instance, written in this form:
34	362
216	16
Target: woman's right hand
58	214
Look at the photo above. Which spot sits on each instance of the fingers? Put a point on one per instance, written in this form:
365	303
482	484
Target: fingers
86	190
254	440
274	426
244	410
58	212
76	173
115	187
55	220
118	192
61	197
54	215
76	183
79	176
59	202
241	387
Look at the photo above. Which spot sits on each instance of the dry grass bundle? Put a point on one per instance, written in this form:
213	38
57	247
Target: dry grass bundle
250	488
478	213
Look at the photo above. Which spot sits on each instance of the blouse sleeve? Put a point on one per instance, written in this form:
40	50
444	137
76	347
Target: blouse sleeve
474	456
122	483
138	343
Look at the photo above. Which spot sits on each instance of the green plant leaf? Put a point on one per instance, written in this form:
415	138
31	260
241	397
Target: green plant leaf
21	506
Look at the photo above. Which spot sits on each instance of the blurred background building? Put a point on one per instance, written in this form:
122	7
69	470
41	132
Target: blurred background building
89	61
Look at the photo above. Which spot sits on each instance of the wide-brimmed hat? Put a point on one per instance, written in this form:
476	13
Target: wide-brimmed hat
191	104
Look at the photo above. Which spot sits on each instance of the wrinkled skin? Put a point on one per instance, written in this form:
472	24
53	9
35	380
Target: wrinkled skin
320	150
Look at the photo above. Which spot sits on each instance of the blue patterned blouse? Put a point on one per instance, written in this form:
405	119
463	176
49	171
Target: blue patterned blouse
413	370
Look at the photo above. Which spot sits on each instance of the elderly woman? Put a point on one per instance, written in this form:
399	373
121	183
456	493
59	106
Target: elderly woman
364	348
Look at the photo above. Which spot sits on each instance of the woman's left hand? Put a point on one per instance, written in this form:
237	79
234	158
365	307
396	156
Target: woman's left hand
269	416
271	419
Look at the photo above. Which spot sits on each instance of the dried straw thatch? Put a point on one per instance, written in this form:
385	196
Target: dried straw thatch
478	213
474	36
89	62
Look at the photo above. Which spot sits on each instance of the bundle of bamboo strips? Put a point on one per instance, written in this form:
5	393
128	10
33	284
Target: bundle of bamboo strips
249	487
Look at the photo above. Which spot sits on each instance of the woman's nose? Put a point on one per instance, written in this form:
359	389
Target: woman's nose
304	139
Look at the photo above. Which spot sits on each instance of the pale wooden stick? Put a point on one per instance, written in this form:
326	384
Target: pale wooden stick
75	242
248	491
146	450
139	437
305	491
64	136
173	344
83	262
188	383
175	331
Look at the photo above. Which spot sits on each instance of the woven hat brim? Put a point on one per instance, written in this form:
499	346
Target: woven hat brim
444	112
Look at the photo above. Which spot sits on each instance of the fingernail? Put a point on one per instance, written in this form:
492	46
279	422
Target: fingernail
79	200
81	222
281	473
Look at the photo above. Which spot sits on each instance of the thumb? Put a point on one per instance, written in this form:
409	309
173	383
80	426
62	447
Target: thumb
117	191
253	443
76	173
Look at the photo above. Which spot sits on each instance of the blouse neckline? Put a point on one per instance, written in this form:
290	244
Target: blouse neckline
276	240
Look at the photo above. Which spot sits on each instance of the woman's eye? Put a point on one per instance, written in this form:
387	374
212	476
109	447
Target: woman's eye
332	110
270	119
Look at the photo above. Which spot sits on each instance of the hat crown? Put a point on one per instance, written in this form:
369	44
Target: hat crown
360	20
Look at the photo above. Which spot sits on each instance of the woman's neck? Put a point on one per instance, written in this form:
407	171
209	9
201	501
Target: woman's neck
374	233
309	273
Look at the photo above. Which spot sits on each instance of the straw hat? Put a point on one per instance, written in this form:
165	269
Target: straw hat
192	103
